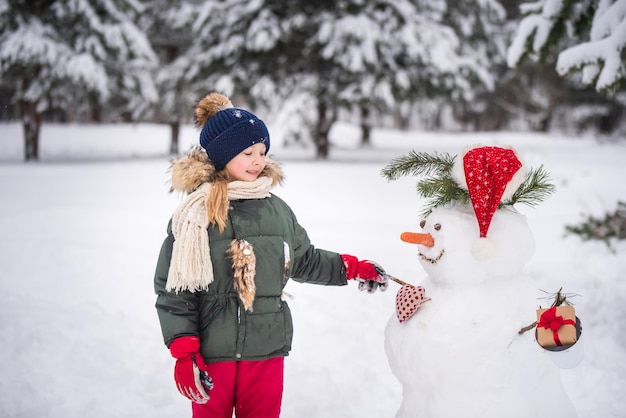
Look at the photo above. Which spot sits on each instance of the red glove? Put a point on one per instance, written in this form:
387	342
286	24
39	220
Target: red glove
190	371
369	274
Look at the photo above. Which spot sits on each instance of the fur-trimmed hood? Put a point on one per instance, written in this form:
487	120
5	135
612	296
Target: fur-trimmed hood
195	168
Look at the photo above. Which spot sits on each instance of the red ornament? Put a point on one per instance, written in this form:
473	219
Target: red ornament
408	299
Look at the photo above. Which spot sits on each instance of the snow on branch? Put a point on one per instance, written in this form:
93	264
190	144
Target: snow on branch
534	30
598	53
600	59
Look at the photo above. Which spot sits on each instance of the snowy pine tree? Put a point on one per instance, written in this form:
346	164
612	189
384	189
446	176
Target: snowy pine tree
590	35
73	54
608	229
334	55
168	25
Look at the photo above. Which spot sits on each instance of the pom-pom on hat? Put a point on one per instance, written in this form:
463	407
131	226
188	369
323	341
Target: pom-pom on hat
490	174
227	130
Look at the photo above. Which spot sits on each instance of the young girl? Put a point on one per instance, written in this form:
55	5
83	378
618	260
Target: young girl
230	249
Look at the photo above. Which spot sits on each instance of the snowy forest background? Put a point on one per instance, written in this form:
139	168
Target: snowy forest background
386	76
431	64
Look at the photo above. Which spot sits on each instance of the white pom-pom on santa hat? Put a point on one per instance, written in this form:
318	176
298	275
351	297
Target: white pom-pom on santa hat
490	175
483	249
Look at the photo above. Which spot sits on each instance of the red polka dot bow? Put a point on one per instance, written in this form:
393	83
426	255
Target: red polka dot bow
408	299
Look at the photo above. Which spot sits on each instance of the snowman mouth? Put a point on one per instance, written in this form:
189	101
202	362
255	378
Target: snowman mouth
432	260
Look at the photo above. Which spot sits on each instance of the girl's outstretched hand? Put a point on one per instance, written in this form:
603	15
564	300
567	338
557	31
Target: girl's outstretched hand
371	275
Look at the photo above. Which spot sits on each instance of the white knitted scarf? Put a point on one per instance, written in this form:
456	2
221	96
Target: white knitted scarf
190	266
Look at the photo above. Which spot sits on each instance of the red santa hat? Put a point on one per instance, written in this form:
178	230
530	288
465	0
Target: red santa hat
490	175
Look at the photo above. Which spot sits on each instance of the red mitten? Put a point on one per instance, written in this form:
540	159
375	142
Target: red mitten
370	275
190	371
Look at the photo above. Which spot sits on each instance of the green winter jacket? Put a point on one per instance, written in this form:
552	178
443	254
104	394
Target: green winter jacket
282	249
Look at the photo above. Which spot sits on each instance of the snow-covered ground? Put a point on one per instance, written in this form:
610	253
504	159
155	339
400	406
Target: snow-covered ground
81	230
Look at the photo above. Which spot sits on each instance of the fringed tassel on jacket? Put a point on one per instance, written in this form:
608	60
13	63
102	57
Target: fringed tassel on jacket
244	267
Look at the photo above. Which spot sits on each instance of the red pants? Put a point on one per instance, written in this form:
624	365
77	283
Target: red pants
254	389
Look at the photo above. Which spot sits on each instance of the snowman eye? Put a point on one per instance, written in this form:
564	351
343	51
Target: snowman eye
422	223
437	227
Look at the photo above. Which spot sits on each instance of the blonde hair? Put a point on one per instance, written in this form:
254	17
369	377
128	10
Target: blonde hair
217	201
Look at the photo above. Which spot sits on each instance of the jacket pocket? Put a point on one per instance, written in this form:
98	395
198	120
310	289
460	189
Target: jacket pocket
269	329
218	327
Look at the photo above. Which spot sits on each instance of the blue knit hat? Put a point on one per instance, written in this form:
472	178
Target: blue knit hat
227	130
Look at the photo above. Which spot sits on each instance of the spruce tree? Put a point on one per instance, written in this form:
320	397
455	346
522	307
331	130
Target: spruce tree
73	54
336	55
609	228
588	36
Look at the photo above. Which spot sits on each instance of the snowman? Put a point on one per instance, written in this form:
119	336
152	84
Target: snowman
454	341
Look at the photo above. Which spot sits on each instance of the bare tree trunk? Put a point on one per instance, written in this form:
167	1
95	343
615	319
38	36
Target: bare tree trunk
31	123
366	125
325	120
175	135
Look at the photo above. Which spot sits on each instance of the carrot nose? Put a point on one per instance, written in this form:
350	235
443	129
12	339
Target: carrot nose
416	238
